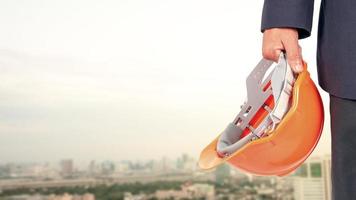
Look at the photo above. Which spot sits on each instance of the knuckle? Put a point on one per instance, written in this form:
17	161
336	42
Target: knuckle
265	54
270	53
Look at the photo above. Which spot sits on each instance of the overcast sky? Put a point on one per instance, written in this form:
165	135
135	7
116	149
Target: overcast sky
125	79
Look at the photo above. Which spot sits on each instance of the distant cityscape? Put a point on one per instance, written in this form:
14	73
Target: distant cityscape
159	179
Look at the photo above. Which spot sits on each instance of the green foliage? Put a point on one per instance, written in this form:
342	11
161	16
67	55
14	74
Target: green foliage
102	192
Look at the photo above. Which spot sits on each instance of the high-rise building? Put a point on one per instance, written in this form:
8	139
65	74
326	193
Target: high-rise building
222	174
312	180
186	163
92	169
107	167
66	167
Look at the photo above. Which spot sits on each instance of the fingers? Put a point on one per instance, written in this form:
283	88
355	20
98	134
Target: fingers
276	40
293	51
272	45
272	53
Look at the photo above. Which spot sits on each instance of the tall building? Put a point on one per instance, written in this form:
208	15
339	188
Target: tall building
312	180
222	174
186	163
92	169
66	167
107	167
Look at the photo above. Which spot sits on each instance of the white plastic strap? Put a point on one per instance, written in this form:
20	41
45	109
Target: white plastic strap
282	80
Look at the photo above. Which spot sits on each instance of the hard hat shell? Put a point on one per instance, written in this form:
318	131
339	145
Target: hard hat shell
286	147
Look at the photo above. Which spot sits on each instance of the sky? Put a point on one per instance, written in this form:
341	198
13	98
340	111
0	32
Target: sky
123	79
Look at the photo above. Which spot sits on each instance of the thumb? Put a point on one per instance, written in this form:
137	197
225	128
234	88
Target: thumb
294	55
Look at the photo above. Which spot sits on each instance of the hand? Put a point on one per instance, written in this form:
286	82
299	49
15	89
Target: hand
276	40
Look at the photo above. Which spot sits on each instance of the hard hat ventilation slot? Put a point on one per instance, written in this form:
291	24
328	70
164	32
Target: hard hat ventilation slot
239	122
267	86
267	108
247	111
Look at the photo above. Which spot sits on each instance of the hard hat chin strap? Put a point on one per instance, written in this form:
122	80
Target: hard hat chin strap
279	84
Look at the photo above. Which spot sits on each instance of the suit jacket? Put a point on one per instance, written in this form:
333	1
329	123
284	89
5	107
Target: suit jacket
336	47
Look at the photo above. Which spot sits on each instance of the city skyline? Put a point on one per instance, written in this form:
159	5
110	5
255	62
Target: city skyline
162	179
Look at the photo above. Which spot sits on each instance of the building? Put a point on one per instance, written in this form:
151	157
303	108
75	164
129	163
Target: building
312	180
129	196
66	167
186	163
222	174
188	191
107	167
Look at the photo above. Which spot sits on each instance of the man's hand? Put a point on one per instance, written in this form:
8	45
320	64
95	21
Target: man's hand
276	40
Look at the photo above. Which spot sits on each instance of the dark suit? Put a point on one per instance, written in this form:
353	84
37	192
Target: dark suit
336	63
336	53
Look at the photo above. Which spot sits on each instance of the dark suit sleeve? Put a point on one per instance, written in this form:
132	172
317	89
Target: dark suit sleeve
288	13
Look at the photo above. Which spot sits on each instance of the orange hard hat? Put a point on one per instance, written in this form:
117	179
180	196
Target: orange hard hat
278	126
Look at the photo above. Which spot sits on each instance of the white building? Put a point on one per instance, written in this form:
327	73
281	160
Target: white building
312	181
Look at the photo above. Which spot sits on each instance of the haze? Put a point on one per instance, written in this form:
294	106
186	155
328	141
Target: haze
125	79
